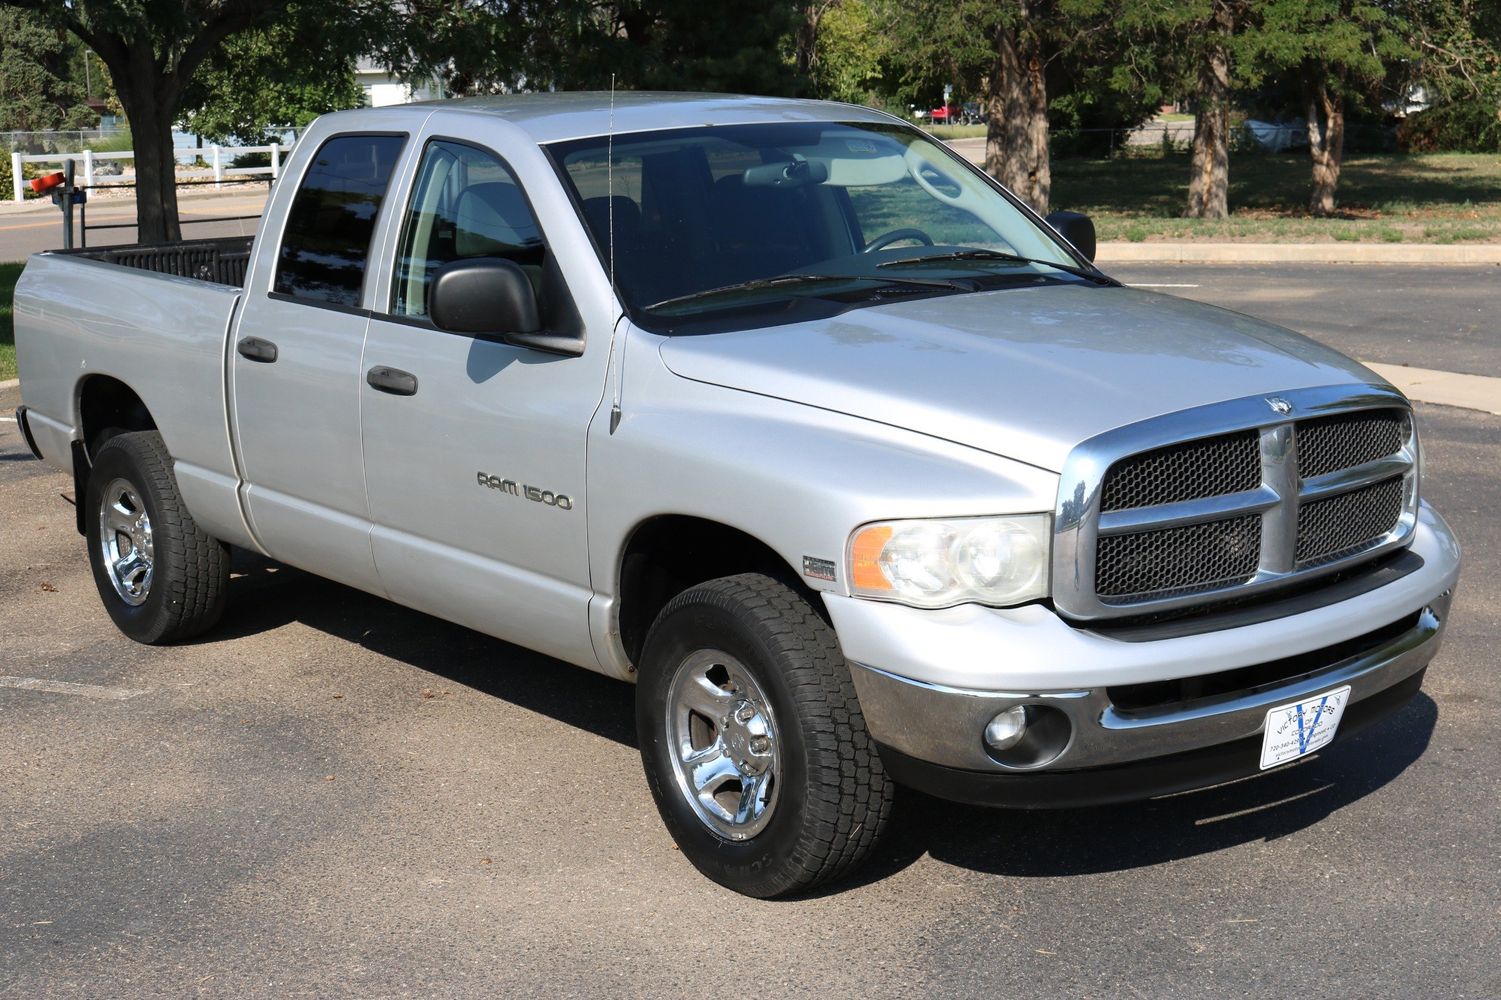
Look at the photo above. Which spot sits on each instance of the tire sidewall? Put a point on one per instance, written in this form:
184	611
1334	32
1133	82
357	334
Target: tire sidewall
750	866
118	460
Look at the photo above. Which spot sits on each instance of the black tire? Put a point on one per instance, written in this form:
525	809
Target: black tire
189	581
833	799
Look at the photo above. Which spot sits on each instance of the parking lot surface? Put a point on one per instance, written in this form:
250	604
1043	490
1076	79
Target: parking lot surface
333	796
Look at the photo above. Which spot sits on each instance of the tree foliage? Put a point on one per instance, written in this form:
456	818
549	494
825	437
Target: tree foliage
258	83
38	90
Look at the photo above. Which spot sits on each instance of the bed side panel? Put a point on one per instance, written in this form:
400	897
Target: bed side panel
161	335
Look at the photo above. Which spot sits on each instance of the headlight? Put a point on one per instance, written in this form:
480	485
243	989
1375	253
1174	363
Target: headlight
939	563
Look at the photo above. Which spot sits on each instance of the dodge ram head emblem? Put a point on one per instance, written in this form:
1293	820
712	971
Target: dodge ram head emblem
1279	405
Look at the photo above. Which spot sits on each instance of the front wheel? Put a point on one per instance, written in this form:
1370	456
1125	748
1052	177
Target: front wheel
160	576
753	740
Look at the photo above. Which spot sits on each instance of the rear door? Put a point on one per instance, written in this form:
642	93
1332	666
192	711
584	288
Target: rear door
474	456
296	369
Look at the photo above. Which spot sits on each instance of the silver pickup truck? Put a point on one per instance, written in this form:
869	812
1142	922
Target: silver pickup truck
861	472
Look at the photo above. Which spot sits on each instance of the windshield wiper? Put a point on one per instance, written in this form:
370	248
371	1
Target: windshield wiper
787	280
999	255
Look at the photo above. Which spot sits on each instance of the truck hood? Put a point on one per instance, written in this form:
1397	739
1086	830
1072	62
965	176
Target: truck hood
1022	373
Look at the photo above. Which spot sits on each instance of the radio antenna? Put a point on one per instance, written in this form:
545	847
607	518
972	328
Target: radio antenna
610	208
610	180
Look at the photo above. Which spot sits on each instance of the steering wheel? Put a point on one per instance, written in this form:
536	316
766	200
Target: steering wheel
895	236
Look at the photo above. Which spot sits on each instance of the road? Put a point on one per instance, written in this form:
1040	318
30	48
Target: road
332	796
25	233
1429	316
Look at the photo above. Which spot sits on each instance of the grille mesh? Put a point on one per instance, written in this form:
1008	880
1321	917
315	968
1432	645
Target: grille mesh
1329	444
1230	463
1177	560
1329	529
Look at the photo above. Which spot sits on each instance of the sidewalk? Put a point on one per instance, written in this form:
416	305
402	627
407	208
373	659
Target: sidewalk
1301	253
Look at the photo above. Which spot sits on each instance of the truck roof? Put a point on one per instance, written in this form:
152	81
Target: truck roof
572	115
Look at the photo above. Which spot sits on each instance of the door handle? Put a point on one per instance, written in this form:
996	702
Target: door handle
256	349
392	380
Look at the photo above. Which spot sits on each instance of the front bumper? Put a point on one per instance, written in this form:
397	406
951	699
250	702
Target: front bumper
931	729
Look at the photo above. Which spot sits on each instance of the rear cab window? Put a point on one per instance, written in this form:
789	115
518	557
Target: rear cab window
326	242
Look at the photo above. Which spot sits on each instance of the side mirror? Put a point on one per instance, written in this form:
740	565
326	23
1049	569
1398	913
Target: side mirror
483	295
1077	228
492	297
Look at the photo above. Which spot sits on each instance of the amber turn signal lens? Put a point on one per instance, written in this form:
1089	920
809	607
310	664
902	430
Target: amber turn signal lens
865	555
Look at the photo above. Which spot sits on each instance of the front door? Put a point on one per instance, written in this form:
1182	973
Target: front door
474	449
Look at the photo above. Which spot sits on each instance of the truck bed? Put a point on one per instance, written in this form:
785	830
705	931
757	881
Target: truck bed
222	261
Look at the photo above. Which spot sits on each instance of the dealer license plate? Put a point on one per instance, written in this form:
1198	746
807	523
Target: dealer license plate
1296	730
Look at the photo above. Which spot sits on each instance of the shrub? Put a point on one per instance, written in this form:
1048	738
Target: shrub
1460	127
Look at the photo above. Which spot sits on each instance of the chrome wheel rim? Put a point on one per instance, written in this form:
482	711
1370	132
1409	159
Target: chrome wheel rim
723	739
125	541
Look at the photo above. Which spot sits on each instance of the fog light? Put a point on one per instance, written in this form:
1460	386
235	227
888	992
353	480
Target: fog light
1028	736
1007	729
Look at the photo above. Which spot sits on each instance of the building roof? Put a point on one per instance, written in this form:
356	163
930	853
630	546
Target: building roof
576	114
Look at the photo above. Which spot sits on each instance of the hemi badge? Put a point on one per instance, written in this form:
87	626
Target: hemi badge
818	569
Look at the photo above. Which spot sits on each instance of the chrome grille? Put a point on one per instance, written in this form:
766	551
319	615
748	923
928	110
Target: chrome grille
1178	560
1189	471
1329	444
1328	529
1269	490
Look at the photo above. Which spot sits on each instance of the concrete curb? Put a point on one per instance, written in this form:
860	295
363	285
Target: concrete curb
1302	253
1471	392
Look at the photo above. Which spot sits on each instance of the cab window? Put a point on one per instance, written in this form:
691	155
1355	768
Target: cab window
327	238
465	204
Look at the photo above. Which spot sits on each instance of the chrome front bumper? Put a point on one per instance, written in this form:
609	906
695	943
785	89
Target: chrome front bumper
944	725
929	682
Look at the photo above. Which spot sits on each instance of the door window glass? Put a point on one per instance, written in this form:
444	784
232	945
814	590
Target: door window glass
465	204
327	239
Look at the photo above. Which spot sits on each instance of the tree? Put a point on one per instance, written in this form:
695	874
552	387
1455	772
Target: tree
37	88
1457	70
152	49
288	90
1209	175
1011	53
1338	51
846	64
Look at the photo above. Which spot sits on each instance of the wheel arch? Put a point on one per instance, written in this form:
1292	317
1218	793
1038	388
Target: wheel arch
666	554
105	406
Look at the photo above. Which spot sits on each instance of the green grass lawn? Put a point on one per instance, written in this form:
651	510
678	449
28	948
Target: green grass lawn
8	275
1394	198
955	131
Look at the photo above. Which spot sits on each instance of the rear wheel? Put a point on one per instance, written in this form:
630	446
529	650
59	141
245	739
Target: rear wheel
753	741
160	576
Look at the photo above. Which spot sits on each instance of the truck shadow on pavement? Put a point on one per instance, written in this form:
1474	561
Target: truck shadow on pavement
1018	843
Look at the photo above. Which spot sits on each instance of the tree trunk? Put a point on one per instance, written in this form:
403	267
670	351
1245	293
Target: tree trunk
1326	144
1209	177
1016	137
807	36
149	105
156	172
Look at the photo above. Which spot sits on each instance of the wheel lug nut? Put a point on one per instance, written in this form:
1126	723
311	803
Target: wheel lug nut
745	713
760	746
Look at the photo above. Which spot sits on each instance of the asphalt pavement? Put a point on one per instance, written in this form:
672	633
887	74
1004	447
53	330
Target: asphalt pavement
1446	317
40	226
333	796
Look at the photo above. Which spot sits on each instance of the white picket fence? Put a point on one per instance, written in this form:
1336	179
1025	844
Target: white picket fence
218	158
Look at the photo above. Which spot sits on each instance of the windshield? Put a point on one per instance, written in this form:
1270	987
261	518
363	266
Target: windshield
793	220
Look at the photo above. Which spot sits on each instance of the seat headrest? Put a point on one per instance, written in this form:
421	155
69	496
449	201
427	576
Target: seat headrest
491	220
